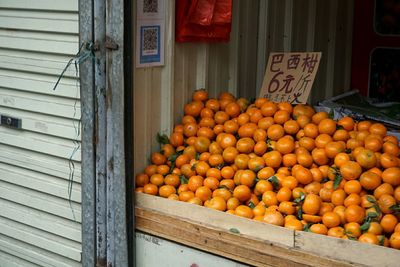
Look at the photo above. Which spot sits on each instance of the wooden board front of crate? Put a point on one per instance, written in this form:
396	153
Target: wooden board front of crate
252	242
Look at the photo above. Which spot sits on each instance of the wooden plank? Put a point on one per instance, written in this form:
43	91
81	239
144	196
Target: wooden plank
39	162
208	230
39	123
40	182
46	144
61	5
51	105
41	239
210	237
41	201
30	23
36	62
41	220
352	252
279	235
34	254
39	83
12	261
39	41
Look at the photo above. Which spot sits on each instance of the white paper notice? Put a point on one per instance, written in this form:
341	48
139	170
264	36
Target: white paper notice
150	33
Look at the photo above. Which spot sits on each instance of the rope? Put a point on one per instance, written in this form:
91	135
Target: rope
85	52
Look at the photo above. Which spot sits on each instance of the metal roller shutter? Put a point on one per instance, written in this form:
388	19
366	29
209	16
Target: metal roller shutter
40	214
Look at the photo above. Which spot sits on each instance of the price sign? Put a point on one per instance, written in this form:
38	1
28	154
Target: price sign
290	76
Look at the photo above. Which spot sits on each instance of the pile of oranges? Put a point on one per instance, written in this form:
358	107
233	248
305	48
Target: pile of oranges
284	165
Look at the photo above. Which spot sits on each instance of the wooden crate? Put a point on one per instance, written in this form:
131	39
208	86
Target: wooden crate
252	242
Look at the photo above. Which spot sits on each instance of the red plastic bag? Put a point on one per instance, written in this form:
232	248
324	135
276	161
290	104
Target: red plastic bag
203	20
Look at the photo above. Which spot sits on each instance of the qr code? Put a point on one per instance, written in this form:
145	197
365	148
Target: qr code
150	39
150	6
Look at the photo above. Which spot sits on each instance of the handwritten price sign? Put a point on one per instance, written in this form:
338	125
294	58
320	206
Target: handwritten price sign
290	76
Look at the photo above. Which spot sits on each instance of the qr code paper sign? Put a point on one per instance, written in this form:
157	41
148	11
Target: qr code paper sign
150	40
150	6
150	9
150	50
290	76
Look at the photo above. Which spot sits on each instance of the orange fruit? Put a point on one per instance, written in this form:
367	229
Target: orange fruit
311	204
385	201
388	223
391	148
265	173
347	123
338	197
333	148
352	199
378	129
150	189
366	158
216	203
311	130
303	176
268	109
319	228
285	145
330	219
203	192
384	188
373	143
141	179
233	109
274	217
350	170
291	127
391	176
395	240
354	213
262	186
352	186
341	158
172	179
287	208
273	159
284	194
302	109
242	192
327	126
370	180
294	224
166	190
245	145
319	116
341	135
247	129
244	211
307	142
336	232
353	229
369	238
275	132
269	198
363	125
388	161
281	116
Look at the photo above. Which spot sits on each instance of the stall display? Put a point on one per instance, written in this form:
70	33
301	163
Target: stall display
282	164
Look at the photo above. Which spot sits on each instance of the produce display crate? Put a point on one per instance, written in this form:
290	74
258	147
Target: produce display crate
251	242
